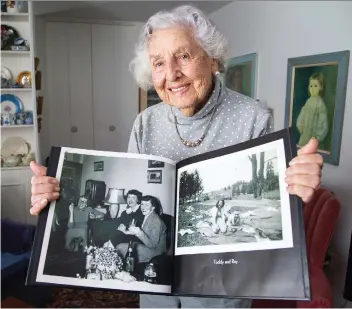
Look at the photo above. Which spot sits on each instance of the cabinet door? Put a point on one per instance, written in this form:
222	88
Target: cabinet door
16	195
57	96
80	85
13	202
115	94
69	84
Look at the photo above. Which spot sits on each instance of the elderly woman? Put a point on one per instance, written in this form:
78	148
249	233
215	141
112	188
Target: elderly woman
181	54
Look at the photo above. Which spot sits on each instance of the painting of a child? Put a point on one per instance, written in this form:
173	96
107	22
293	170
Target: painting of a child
313	104
312	120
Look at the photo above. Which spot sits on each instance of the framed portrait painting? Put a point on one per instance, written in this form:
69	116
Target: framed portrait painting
154	176
241	74
315	101
155	164
98	166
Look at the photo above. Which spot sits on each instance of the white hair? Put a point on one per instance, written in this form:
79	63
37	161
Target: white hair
205	33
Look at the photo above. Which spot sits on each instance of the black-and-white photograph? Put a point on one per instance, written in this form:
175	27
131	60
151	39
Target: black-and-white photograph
110	228
236	202
155	164
155	176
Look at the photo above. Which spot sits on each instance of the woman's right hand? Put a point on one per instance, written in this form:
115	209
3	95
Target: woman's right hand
44	188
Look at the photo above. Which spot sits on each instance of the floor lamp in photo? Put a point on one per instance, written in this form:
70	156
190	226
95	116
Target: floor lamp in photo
114	198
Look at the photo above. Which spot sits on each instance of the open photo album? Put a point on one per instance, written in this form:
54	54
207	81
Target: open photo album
218	224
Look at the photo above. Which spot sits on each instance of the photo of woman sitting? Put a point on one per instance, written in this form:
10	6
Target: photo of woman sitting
152	233
76	235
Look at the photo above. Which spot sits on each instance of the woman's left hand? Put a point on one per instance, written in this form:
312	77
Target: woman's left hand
303	177
134	230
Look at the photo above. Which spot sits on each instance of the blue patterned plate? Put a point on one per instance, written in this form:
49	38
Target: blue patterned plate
10	104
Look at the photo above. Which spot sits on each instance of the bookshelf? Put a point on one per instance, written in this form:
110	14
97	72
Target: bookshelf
16	177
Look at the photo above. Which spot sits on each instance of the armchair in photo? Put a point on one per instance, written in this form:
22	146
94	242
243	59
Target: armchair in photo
320	218
163	263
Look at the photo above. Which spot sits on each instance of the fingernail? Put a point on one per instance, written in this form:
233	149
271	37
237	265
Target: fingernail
55	181
44	201
56	194
57	188
33	212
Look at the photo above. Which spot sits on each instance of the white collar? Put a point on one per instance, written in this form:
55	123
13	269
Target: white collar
136	208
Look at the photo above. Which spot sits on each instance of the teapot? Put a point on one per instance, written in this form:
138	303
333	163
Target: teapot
8	119
12	160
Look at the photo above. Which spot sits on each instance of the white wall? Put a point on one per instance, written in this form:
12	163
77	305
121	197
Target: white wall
39	32
132	174
278	30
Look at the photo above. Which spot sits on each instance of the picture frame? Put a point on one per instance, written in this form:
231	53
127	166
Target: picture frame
154	176
327	74
241	74
147	99
98	166
155	164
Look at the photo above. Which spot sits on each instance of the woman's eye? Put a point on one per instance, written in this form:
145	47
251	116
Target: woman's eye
184	56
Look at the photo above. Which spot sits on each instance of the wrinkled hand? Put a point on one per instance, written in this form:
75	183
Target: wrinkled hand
134	230
303	177
44	188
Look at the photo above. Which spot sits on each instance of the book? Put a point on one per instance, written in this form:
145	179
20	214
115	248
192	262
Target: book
218	224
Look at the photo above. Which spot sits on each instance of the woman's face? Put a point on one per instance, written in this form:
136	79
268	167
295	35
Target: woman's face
82	203
146	207
181	70
132	200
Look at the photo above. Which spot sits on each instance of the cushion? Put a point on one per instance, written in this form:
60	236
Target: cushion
16	237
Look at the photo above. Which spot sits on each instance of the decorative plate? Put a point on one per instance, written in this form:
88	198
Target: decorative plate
10	104
24	79
8	36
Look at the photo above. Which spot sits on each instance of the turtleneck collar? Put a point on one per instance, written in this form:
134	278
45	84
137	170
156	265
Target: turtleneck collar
207	109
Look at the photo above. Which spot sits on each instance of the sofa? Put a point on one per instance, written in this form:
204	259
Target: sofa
320	218
16	244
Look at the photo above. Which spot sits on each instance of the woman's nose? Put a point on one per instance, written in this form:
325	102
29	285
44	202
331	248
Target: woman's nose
172	71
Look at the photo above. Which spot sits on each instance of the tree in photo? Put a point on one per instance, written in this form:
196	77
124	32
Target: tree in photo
191	185
271	180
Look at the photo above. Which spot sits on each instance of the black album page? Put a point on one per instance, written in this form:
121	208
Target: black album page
111	228
238	233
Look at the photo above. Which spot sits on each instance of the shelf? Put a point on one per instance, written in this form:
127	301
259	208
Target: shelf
16	89
15	168
13	14
17	126
15	52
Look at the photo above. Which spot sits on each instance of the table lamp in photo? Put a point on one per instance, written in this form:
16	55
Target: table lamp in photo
114	198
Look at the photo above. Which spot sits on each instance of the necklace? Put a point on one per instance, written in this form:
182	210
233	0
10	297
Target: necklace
199	140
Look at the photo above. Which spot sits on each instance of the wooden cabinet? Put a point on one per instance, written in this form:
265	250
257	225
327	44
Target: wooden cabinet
92	96
69	81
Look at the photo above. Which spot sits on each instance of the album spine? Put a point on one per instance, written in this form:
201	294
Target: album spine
299	207
41	222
